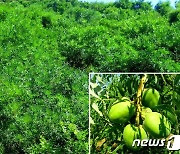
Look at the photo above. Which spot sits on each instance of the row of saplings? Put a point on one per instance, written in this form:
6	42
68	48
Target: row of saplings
154	124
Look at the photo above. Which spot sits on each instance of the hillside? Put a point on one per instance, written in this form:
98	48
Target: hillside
47	49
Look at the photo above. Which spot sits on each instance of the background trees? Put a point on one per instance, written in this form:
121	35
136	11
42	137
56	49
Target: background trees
47	49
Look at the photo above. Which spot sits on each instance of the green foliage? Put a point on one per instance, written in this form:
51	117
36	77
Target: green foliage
47	49
42	109
163	8
119	39
108	89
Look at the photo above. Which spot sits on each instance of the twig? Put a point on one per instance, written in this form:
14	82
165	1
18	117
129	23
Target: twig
163	79
138	99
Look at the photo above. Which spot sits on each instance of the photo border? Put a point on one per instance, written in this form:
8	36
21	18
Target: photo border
133	73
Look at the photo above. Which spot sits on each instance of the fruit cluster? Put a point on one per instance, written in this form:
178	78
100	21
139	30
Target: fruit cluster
153	124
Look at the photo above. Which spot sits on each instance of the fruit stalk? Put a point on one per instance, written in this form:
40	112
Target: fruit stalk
138	99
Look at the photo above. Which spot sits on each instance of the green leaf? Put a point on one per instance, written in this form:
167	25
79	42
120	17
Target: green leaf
96	108
91	121
91	92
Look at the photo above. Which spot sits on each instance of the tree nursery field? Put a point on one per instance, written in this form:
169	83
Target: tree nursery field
48	48
127	107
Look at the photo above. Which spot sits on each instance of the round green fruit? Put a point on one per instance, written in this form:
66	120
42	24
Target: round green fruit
131	132
144	111
157	125
121	112
150	98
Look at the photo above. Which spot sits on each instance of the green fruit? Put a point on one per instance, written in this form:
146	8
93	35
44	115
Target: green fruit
144	111
121	112
150	98
131	132
157	125
170	116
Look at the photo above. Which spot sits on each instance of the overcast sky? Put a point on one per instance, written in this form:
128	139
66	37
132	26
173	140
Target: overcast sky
154	2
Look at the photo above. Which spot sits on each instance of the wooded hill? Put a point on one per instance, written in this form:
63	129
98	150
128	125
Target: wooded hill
47	49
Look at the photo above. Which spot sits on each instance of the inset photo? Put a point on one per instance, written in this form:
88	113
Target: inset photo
134	113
